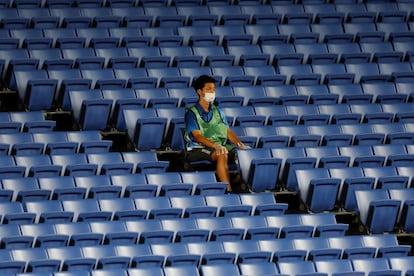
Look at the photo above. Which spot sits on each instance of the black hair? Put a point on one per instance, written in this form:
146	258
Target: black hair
202	80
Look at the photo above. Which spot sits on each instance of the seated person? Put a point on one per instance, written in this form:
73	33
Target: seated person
207	133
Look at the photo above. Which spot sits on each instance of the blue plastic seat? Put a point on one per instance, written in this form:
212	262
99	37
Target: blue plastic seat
366	72
283	251
55	142
110	163
290	226
402	263
329	30
135	77
352	247
228	205
36	259
220	229
263	33
387	178
44	234
257	166
9	169
374	206
383	93
282	54
64	38
15	214
373	266
299	74
318	94
325	225
348	52
38	165
199	35
63	189
308	114
134	185
182	56
50	59
298	267
231	35
169	184
72	258
122	208
163	36
247	251
315	186
115	233
387	245
405	209
33	121
315	53
232	76
84	58
97	37
68	79
333	73
97	186
168	77
143	124
142	257
196	15
253	96
256	228
158	97
353	178
193	206
336	267
292	158
150	231
328	157
219	269
34	87
117	57
74	164
158	207
248	55
85	210
103	78
340	113
176	255
349	93
145	162
243	115
317	248
88	106
106	258
21	143
362	156
263	204
372	113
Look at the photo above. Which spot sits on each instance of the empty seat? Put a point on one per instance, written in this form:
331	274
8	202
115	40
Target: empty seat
88	106
374	206
38	165
97	186
257	166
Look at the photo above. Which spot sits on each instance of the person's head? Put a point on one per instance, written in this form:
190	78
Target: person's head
205	87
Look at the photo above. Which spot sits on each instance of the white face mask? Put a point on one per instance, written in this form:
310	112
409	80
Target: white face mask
209	97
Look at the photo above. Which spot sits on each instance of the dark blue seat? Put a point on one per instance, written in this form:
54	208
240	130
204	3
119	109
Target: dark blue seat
63	189
74	164
145	162
377	211
44	235
38	165
290	226
86	210
122	209
90	141
97	186
80	235
110	163
34	87
257	166
283	250
143	124
88	106
315	187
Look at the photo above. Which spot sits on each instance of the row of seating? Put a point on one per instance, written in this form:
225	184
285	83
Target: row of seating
234	255
258	165
142	207
52	142
22	121
393	266
35	85
98	230
99	162
223	35
342	183
139	185
326	135
210	14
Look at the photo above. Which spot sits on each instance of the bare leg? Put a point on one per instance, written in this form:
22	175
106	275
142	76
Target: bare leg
222	169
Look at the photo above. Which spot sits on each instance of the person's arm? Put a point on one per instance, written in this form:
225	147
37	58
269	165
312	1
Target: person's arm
235	140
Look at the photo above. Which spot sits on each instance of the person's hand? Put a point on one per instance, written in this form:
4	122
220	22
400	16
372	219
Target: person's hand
240	145
220	149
